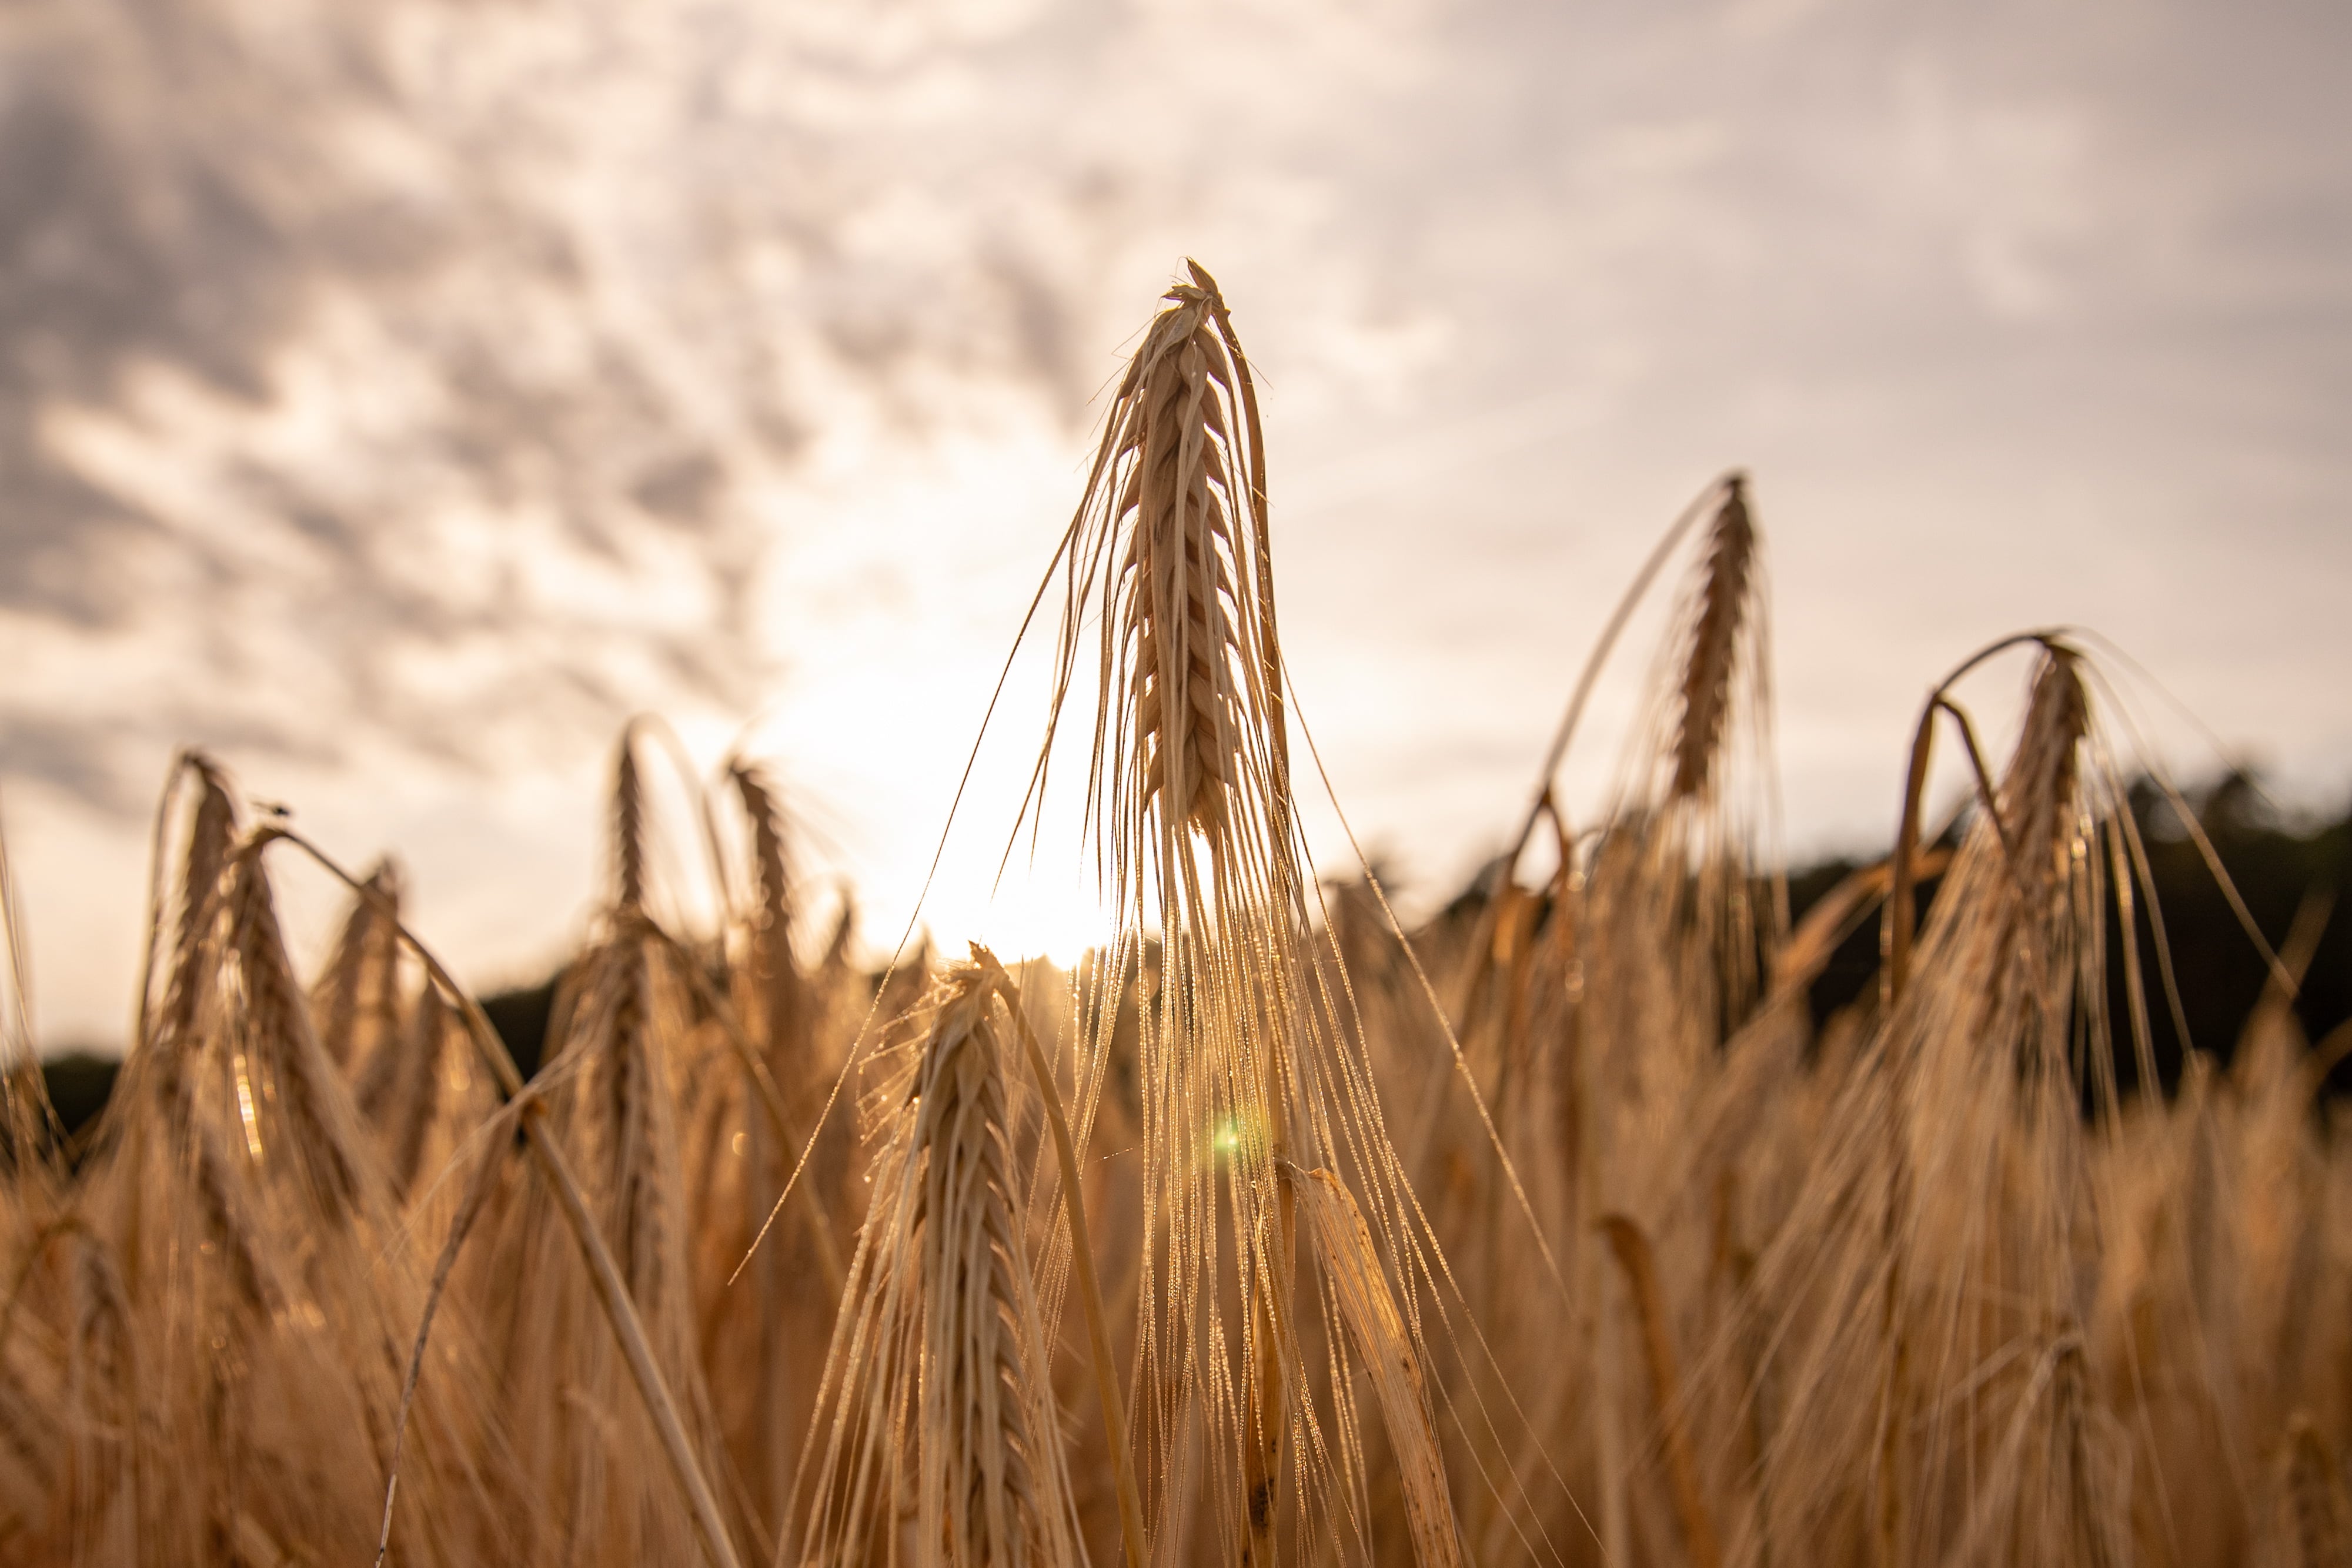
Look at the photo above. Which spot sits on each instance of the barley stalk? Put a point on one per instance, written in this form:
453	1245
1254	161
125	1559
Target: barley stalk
1631	1247
781	1121
1343	1244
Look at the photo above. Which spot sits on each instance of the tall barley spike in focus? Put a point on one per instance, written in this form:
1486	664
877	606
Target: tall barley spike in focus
1171	539
1189	776
1177	588
1243	1064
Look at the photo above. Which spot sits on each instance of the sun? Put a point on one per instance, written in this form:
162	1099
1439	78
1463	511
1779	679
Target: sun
1038	919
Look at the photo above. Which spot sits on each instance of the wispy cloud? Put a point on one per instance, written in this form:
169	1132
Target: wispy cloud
406	392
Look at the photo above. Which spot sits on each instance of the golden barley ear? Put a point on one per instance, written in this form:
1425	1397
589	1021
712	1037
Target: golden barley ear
323	1138
2029	813
628	826
2004	931
998	1497
1180	613
773	992
156	1155
2040	792
1705	697
212	834
937	1391
1246	1056
357	998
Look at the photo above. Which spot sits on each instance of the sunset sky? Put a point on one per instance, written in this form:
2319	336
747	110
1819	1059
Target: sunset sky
397	397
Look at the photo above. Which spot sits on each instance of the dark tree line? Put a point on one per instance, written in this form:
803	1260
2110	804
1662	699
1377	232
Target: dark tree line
2281	870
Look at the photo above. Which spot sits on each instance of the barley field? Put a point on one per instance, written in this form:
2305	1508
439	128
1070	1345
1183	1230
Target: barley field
1552	1229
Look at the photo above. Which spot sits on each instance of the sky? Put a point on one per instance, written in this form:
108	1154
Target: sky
394	399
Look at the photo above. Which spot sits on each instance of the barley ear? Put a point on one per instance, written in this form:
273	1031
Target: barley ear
1180	604
778	1005
210	835
1130	1507
1713	655
365	949
325	1136
2061	708
991	1465
2038	795
628	826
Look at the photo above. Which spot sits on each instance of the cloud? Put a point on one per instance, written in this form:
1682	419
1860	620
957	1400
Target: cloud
414	389
353	336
